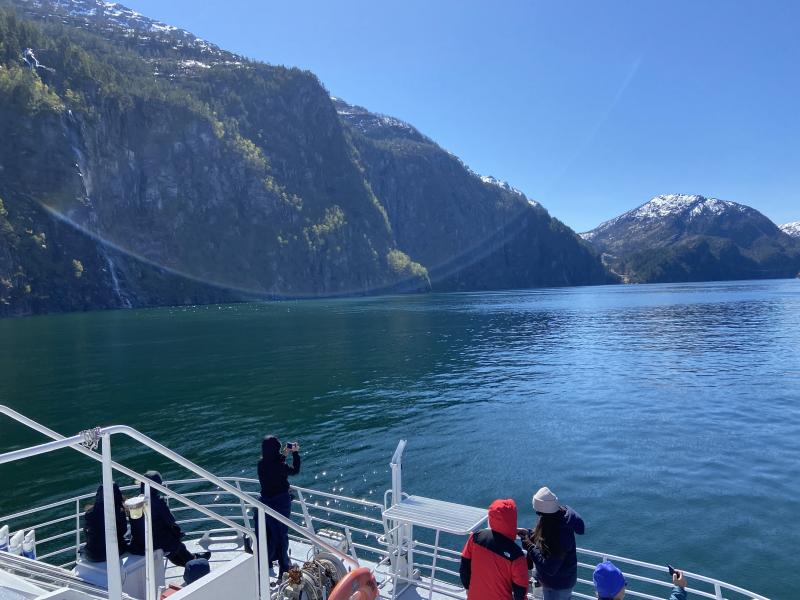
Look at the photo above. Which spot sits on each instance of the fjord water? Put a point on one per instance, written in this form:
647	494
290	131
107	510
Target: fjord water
668	415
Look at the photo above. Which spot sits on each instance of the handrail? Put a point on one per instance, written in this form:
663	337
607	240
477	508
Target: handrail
114	578
582	564
689	574
603	555
175	457
224	483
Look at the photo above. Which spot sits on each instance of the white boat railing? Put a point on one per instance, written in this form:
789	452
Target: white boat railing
363	533
359	522
86	441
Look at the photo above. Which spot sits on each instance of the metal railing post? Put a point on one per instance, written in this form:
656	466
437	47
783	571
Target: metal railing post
77	530
264	563
245	518
263	556
113	573
433	566
149	552
304	508
397	472
349	537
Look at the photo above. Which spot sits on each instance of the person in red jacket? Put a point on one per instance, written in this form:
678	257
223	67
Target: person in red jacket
493	567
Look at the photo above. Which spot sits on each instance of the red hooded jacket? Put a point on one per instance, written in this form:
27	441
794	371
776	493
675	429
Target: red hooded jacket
493	566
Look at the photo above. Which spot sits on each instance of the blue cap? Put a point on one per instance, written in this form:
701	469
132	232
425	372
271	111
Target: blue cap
608	580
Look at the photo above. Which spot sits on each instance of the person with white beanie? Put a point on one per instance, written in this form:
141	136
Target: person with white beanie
551	545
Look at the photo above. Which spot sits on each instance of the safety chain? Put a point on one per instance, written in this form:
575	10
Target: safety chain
91	438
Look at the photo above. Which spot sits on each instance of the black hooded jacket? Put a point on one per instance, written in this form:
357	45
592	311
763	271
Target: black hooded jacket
166	532
95	529
273	472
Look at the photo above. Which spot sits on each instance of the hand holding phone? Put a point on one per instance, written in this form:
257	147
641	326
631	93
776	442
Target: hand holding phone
677	577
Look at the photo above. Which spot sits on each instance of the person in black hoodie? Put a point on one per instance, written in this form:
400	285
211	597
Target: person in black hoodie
273	474
167	533
95	529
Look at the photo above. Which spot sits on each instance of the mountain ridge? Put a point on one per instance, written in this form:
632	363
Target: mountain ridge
181	173
688	237
471	231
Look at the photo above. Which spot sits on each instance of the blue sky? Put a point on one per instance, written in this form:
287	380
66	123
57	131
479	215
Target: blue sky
588	107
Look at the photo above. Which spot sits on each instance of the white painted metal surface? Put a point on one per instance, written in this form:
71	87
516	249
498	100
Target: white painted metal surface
112	551
233	581
437	514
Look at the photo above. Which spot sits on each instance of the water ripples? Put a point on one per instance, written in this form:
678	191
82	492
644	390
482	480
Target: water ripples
667	414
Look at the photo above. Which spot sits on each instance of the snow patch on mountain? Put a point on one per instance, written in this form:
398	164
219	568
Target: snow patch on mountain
507	187
368	122
682	204
685	206
792	229
115	17
501	184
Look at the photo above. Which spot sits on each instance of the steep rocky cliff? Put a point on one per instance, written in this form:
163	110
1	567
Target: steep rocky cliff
471	232
141	165
121	188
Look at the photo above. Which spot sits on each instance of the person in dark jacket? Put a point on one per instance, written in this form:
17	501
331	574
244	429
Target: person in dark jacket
492	565
95	529
273	474
609	583
551	545
167	533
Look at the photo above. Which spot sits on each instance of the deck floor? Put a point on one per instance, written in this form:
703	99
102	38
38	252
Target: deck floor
299	552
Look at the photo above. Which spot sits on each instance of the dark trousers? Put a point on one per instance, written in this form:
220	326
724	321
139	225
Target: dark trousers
277	533
175	550
180	555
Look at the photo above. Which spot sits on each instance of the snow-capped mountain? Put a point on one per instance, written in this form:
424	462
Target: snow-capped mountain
504	185
378	126
652	214
120	22
792	229
683	237
470	231
666	218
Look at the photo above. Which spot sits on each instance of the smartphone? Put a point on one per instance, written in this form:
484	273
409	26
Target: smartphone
290	446
671	570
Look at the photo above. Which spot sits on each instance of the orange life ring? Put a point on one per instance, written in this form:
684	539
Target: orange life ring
358	584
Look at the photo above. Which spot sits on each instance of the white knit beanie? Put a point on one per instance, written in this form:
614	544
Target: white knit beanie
545	501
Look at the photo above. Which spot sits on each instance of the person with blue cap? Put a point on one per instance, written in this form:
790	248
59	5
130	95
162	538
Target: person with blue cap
610	584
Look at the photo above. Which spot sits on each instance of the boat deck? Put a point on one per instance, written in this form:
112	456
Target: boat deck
299	552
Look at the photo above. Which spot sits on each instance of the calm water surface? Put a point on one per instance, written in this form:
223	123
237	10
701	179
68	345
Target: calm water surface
666	414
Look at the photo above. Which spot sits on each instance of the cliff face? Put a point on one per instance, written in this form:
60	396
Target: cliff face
142	166
471	232
119	190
